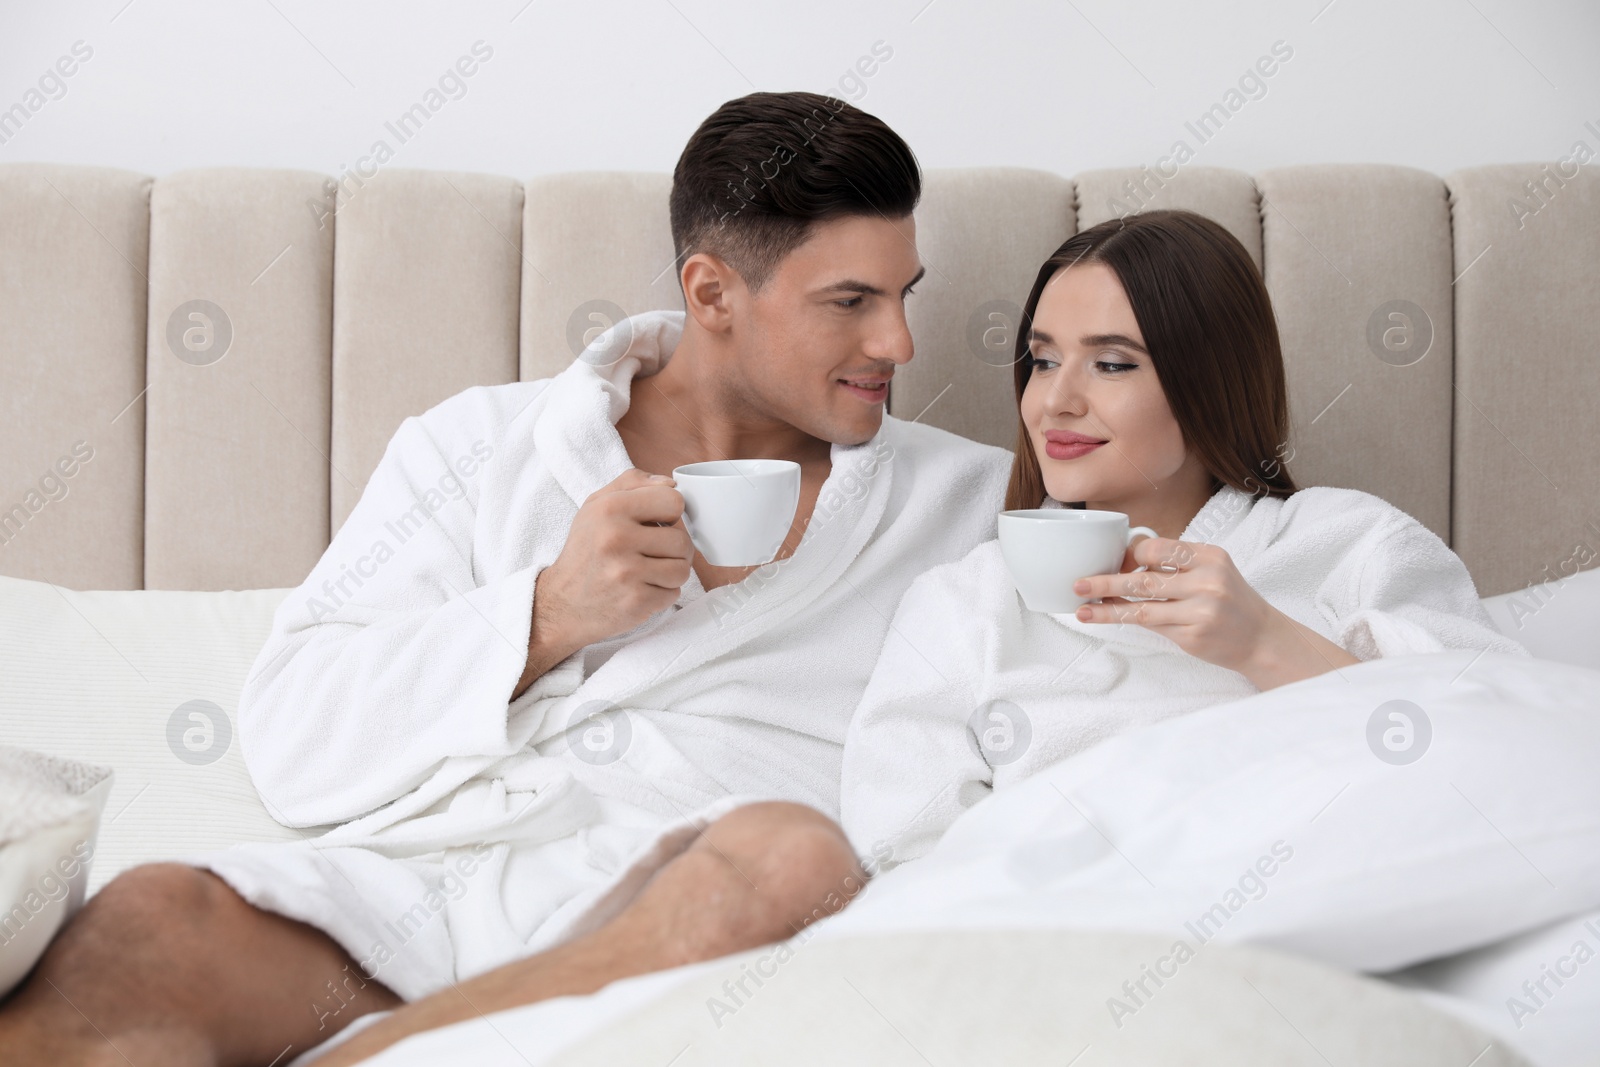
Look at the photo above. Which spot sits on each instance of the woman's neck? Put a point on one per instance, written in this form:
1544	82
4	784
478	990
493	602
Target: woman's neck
1169	506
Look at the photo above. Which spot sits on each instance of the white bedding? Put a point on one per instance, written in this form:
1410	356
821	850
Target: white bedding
1538	991
1494	832
953	712
99	676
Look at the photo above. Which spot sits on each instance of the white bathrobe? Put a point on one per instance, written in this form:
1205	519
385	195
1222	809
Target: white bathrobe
974	692
485	830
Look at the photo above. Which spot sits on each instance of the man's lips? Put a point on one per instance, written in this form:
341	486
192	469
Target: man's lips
871	388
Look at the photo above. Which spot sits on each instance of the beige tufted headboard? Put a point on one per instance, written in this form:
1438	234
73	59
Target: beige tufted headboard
206	473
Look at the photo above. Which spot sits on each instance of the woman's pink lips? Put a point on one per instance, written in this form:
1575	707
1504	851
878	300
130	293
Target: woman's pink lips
1063	450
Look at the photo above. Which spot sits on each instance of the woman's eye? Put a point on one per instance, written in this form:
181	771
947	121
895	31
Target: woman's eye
1039	363
1115	368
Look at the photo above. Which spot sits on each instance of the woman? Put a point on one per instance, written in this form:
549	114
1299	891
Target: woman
1149	381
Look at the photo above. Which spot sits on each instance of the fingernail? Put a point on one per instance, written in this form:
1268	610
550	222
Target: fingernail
1084	613
1081	586
660	478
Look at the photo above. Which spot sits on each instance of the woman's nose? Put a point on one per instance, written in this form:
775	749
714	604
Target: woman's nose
1065	393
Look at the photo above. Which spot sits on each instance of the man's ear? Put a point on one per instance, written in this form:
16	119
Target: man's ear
710	288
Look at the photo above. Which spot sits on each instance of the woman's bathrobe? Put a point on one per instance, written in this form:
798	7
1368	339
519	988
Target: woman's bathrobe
485	828
974	692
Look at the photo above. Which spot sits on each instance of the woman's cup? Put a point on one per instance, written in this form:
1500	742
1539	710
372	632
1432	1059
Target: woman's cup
738	511
1048	549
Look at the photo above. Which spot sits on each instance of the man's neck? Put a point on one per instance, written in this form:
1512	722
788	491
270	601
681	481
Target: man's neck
690	411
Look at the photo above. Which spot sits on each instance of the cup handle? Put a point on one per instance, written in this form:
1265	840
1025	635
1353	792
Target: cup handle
1135	532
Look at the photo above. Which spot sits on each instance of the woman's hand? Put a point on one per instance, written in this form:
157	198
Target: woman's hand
1208	609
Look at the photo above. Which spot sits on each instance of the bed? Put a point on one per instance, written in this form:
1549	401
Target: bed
207	473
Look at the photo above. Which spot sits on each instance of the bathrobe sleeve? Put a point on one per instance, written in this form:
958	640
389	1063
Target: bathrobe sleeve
396	653
909	767
1410	594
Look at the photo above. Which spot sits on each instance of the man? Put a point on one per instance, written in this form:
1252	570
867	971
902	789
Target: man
561	747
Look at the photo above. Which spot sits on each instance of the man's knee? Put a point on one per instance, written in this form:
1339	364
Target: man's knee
797	865
154	907
163	887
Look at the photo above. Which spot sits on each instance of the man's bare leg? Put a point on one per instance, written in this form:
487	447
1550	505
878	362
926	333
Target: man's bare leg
755	876
168	965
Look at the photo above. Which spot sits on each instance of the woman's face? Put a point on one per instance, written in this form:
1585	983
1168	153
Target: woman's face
1093	380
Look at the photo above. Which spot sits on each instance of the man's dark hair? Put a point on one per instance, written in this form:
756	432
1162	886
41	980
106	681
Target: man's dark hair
762	170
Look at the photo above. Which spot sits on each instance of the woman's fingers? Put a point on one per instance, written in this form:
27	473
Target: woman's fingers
1168	552
1169	561
1143	584
1140	613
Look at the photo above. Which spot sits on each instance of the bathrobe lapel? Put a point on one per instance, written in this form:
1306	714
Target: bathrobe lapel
721	620
577	441
576	436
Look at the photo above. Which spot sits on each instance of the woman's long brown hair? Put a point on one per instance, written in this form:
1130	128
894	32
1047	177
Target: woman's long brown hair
1208	324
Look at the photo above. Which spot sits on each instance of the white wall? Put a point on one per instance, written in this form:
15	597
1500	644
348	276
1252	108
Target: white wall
620	84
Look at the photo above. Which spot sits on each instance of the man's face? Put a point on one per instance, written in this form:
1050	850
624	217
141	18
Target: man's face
817	345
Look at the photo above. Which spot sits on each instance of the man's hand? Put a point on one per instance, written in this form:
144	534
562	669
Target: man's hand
626	557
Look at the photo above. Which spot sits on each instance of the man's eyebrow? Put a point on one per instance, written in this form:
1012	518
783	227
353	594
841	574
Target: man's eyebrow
850	285
1093	340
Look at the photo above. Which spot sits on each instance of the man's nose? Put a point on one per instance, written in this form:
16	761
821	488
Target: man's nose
893	340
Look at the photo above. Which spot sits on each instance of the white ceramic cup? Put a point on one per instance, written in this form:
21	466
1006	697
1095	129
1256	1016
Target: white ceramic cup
738	511
1048	549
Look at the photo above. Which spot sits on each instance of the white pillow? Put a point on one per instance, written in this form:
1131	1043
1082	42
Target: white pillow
145	682
49	811
1557	620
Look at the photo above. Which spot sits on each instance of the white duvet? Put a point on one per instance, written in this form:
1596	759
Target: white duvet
973	693
1281	819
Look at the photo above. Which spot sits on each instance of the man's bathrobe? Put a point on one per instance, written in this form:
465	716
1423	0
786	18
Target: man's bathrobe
476	831
974	692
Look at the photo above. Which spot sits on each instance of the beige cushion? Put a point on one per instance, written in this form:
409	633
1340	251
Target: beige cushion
1225	196
596	247
1341	243
1527	373
1029	997
73	262
425	278
236	467
242	468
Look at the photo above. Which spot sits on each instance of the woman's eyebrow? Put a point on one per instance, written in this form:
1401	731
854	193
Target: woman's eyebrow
1093	340
1096	340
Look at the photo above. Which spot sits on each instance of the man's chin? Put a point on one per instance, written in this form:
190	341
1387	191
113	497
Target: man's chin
849	432
849	424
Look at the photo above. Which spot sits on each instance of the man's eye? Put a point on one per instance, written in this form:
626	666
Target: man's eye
852	302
